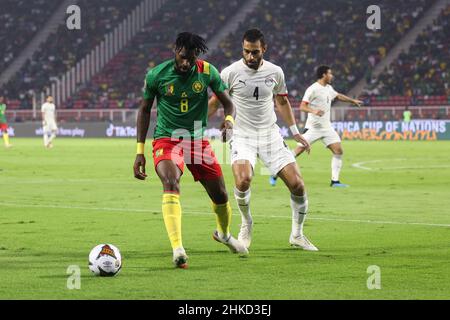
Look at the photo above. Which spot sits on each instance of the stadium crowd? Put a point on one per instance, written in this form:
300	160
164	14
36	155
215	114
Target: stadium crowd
422	74
64	49
299	35
120	82
303	35
20	21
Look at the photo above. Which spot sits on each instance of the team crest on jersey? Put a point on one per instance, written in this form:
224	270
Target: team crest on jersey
107	251
170	89
159	153
197	87
269	82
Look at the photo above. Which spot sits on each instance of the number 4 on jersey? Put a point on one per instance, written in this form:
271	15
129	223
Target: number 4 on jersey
256	93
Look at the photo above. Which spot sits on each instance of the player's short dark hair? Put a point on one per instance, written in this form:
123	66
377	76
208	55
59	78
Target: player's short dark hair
253	35
191	42
321	71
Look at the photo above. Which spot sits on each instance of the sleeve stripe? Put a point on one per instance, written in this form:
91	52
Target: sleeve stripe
282	95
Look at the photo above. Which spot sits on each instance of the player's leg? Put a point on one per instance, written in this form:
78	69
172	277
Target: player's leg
52	135
221	206
209	173
333	142
4	131
45	135
278	158
170	175
169	167
243	159
291	176
311	136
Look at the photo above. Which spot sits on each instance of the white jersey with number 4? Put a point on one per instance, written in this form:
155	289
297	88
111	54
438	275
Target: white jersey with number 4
252	92
255	133
319	97
49	112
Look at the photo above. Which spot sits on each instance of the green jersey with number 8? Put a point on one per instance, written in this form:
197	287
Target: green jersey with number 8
182	100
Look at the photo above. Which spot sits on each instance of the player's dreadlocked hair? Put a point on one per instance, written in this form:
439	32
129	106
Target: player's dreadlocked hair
191	41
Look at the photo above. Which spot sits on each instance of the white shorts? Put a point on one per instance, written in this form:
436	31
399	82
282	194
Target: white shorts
328	136
271	149
50	126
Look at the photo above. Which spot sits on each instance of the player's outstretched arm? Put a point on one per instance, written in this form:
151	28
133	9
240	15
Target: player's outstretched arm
344	98
213	106
143	122
285	109
229	112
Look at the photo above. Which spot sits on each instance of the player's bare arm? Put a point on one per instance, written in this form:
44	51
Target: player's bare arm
229	112
143	122
285	109
304	106
213	106
344	98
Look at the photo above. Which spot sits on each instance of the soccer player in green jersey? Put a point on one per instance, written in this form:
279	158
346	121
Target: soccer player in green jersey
180	88
3	122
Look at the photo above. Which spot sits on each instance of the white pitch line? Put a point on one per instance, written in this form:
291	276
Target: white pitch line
361	165
10	204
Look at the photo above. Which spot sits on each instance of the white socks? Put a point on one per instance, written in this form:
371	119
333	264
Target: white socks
299	205
243	202
48	138
336	165
45	139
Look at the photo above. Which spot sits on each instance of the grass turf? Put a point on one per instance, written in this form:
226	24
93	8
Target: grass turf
56	205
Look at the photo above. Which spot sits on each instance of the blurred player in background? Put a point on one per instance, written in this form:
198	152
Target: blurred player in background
254	84
317	103
49	122
180	87
407	115
4	123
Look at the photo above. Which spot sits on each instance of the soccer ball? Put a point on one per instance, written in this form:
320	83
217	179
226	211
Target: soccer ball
105	260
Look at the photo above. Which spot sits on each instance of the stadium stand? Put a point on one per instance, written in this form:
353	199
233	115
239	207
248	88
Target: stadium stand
421	75
20	21
120	83
63	49
302	35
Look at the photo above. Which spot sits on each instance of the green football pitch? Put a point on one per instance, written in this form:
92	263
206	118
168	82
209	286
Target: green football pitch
56	205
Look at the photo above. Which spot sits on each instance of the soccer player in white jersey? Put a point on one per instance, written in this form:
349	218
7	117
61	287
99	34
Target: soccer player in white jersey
317	103
254	84
49	122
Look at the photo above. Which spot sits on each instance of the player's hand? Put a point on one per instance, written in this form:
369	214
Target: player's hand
300	139
139	167
358	103
227	130
318	113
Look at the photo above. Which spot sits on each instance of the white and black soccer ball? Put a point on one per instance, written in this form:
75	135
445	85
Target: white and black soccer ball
105	260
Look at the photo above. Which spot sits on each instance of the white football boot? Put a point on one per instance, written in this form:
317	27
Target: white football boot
180	258
303	243
234	245
245	234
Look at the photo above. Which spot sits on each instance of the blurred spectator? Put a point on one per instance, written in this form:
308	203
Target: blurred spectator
407	115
